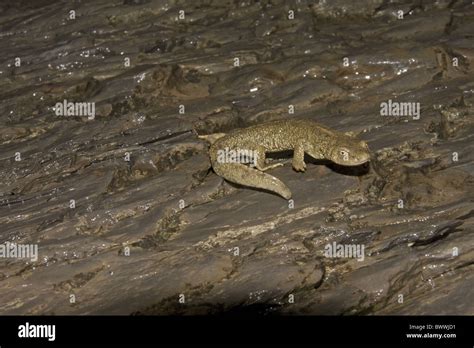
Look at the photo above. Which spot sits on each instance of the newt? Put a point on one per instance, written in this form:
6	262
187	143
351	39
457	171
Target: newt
301	136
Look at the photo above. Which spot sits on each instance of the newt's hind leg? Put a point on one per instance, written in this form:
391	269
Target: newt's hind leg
211	138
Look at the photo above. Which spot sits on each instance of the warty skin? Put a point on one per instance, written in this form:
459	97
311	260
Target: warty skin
301	136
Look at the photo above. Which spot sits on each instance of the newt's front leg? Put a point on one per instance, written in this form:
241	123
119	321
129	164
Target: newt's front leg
245	175
298	159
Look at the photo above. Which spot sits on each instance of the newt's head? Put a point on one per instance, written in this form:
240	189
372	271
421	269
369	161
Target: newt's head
349	151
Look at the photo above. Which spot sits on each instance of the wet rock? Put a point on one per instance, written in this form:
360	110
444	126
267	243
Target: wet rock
125	209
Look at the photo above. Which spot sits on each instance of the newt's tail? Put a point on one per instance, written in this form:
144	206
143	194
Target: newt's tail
247	176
